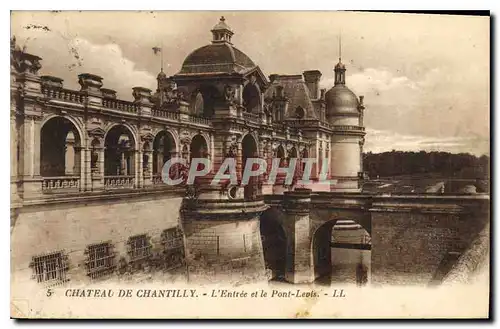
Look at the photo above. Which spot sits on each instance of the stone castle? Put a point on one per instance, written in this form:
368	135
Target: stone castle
88	201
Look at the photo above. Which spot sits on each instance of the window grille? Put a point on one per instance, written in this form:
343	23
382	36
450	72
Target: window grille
173	244
139	247
172	238
100	259
50	268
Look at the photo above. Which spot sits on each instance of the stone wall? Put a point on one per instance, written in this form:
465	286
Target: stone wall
71	227
224	251
418	248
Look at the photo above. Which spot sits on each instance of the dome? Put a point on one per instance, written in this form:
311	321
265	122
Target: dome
341	100
216	58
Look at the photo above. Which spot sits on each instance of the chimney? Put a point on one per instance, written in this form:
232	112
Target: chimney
312	82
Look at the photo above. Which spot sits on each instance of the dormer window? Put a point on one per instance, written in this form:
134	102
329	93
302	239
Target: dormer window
299	112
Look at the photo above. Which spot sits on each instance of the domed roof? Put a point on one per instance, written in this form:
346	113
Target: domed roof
220	57
341	100
216	58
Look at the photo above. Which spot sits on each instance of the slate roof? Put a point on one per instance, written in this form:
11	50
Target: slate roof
216	58
295	89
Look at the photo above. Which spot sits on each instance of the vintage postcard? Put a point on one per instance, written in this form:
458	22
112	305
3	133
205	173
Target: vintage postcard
249	165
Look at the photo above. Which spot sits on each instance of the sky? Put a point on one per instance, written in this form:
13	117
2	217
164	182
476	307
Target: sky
425	78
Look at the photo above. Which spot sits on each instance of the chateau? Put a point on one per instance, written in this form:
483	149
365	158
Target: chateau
88	201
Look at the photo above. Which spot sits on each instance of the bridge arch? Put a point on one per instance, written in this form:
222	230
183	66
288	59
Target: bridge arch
321	244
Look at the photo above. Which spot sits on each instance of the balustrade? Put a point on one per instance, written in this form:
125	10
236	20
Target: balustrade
64	95
119	181
120	105
165	114
199	120
61	183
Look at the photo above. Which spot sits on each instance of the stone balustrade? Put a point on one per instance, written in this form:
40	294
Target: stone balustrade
165	114
348	128
199	120
119	181
61	183
120	105
251	116
63	94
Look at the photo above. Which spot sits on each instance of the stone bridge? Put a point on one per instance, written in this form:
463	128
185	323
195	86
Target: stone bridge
415	238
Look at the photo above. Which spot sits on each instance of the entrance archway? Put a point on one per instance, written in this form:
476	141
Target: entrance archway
341	253
59	148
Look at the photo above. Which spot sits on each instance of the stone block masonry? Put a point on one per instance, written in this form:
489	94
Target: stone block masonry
72	227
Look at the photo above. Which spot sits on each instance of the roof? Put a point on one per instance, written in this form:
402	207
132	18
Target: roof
216	58
295	89
341	100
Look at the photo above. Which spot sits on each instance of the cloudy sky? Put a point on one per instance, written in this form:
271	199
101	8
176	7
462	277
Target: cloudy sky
425	78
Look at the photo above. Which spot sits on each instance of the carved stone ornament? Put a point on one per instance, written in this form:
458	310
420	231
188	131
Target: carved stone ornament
229	94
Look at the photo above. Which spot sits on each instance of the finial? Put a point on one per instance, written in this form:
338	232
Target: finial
222	19
340	46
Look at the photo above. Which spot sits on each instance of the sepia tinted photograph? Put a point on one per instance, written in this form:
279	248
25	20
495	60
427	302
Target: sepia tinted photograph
249	164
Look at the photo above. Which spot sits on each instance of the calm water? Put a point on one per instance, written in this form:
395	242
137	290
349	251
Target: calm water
347	266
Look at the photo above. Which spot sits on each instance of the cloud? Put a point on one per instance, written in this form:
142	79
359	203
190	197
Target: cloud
375	80
108	61
382	140
69	56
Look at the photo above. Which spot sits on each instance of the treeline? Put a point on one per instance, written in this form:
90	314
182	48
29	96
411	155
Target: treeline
395	163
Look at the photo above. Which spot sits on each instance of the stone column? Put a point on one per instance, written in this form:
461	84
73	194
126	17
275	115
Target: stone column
138	171
14	170
299	262
147	171
32	181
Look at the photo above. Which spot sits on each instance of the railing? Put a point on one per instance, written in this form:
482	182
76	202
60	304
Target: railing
64	95
111	182
251	116
348	128
60	183
199	120
157	180
165	114
308	122
120	105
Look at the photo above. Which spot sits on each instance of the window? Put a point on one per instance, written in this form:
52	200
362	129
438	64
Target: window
139	247
172	238
173	244
100	259
50	268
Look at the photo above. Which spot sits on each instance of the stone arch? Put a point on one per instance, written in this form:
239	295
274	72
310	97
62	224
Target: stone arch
249	149
321	244
207	96
75	121
130	128
274	242
199	146
60	147
281	154
164	148
252	97
120	145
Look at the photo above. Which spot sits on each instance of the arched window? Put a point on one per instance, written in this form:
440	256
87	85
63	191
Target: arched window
252	97
59	148
119	152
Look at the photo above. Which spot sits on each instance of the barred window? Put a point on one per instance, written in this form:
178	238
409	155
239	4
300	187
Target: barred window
139	247
50	268
100	259
172	238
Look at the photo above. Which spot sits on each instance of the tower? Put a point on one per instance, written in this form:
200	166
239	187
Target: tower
344	112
